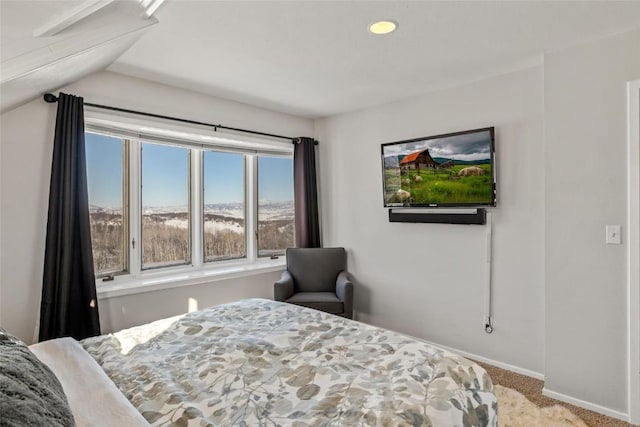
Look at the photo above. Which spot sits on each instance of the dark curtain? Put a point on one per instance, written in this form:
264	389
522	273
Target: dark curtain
69	304
306	193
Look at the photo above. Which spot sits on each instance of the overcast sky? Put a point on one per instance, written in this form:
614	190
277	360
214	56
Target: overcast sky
471	146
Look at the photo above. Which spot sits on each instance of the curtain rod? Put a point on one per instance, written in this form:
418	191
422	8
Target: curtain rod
51	98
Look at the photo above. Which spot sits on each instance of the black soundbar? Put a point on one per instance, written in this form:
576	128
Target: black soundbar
477	218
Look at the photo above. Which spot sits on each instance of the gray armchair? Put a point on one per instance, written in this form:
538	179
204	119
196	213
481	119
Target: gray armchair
317	278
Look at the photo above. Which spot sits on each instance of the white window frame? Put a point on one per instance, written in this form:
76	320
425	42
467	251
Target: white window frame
137	130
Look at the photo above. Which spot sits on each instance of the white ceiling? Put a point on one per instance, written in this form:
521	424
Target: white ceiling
316	58
80	44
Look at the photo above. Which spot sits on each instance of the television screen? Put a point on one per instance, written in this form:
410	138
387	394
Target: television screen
455	169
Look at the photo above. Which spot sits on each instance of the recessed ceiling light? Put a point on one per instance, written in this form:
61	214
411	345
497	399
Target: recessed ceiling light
383	27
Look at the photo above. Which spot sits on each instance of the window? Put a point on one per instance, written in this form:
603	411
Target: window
165	206
159	204
107	203
223	206
275	205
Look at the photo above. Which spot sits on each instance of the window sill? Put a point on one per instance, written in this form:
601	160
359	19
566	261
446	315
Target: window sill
126	285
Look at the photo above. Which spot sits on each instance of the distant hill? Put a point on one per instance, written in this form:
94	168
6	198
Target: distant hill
463	162
94	209
268	210
393	161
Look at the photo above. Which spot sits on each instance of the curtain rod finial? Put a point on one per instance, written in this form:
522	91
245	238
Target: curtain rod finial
50	98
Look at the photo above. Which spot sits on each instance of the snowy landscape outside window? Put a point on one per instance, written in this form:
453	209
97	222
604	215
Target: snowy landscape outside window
158	204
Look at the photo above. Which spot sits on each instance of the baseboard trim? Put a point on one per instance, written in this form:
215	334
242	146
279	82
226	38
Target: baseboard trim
586	405
545	391
508	367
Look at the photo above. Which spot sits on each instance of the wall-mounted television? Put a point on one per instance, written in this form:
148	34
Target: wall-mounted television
451	170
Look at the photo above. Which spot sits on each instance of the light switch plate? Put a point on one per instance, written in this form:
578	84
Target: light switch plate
613	235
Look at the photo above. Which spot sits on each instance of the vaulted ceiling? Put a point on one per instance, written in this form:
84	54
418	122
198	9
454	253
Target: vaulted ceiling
308	58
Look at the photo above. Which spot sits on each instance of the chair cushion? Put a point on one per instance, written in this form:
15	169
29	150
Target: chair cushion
323	301
315	269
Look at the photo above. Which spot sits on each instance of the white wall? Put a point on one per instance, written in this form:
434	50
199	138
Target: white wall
427	279
122	312
25	144
25	155
585	156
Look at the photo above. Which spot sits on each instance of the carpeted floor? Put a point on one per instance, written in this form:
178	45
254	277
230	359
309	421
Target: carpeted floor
532	390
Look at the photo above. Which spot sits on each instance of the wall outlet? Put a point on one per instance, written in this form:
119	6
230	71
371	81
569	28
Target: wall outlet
613	235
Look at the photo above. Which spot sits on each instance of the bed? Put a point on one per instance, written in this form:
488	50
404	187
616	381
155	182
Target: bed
258	362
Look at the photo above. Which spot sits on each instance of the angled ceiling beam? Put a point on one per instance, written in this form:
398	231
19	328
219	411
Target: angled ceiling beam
150	6
34	60
64	20
49	69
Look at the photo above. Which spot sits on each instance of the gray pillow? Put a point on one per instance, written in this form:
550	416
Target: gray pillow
30	394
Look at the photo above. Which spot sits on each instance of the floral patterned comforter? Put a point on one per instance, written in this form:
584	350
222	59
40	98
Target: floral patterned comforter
263	363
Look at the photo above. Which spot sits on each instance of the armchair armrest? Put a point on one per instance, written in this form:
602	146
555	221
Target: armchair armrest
344	291
283	288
